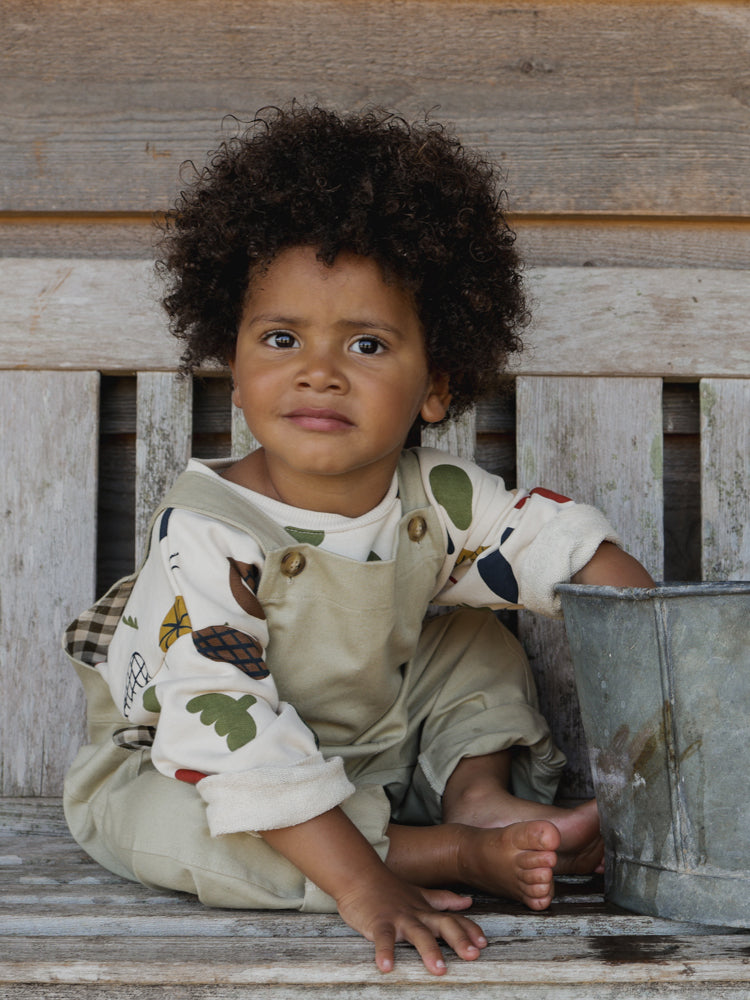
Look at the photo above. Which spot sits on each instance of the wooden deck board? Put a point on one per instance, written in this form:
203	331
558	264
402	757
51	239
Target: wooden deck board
68	928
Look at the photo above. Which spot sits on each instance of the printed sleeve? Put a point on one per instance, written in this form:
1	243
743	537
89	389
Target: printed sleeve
507	548
188	657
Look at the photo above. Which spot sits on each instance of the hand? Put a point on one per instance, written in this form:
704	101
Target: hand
386	910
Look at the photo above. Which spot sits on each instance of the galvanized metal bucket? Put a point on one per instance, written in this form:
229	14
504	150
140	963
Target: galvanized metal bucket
663	679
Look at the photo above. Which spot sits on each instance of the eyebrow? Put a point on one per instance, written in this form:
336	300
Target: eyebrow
272	318
355	324
367	324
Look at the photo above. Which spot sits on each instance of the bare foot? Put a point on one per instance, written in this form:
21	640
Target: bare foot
483	803
515	861
581	846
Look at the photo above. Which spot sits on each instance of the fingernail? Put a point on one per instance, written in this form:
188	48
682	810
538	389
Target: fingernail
440	964
482	941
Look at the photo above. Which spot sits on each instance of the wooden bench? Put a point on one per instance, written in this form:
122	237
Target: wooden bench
624	129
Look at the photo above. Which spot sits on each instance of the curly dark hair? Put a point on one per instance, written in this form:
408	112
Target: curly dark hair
410	196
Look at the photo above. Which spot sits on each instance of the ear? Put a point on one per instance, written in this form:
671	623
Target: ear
438	399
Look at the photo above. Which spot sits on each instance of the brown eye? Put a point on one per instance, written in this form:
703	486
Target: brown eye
281	338
368	345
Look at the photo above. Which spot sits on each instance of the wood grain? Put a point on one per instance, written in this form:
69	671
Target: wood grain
163	444
598	441
673	322
617	107
725	482
48	543
543	241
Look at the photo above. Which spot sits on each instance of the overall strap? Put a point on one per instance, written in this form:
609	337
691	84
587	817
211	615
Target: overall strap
411	489
214	498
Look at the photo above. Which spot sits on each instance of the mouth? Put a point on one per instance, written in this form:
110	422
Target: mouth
313	419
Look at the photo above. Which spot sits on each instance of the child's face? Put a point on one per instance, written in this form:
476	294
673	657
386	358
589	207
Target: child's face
331	370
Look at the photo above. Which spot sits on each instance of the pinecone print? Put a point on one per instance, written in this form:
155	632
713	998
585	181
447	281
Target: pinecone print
229	645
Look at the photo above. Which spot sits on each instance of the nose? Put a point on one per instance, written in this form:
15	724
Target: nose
321	369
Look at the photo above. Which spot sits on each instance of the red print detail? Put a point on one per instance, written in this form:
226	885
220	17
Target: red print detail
191	777
548	494
557	497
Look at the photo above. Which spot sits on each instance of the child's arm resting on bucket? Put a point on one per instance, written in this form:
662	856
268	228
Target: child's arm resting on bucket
333	854
610	566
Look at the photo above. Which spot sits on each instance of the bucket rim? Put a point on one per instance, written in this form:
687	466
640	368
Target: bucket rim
712	589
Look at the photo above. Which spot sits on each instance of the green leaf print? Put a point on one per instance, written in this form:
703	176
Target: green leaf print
228	715
453	491
150	701
308	535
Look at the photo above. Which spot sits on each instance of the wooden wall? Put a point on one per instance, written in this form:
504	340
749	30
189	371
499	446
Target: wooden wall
624	129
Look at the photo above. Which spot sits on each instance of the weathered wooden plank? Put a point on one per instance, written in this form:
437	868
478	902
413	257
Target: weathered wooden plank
632	321
557	241
387	989
545	89
606	242
725	483
600	442
243	441
130	911
69	929
32	814
587	321
48	543
62	314
163	443
457	436
329	962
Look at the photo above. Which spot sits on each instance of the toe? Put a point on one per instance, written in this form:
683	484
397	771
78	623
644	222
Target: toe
535	835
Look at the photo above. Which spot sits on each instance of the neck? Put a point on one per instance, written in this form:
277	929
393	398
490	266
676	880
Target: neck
350	495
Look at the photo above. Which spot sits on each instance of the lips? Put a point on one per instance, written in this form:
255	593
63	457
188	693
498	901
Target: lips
313	419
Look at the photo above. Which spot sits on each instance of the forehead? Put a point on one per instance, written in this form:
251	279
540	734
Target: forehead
298	277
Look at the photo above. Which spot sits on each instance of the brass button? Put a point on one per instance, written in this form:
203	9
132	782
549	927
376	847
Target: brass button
292	564
417	529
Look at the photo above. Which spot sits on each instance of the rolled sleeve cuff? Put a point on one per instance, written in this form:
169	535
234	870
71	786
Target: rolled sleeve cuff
563	547
274	797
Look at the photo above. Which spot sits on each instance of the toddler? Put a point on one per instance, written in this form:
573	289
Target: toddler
273	721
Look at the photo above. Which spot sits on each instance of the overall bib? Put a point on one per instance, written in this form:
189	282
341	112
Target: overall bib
399	700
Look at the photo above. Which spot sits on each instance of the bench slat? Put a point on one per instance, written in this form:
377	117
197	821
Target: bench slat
326	962
164	428
243	441
598	441
458	437
48	456
725	484
670	322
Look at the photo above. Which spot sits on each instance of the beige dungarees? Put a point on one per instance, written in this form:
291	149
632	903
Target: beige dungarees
402	702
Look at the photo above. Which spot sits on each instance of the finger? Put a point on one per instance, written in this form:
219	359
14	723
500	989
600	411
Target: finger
429	950
464	937
444	899
384	940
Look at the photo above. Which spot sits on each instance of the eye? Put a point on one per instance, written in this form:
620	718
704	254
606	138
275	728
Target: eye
282	339
368	345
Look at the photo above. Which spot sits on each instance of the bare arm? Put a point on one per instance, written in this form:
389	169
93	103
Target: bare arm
334	855
611	567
